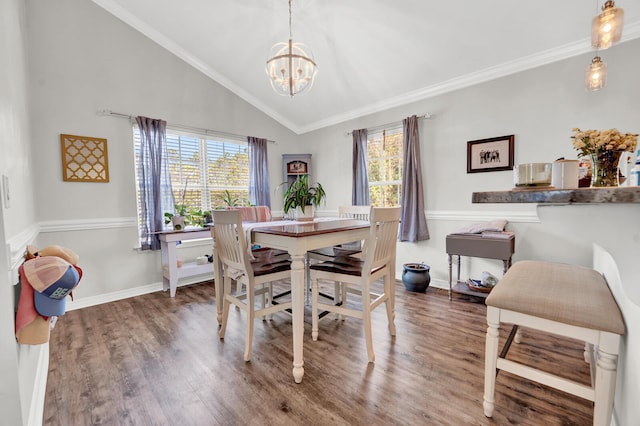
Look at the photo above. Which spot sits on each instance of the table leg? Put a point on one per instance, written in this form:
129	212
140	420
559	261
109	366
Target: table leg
450	276
297	313
218	282
164	256
170	283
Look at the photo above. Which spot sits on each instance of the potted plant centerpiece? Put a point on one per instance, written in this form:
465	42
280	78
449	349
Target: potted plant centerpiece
303	197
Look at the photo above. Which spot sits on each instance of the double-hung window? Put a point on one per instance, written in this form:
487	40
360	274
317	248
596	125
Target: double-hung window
384	163
203	168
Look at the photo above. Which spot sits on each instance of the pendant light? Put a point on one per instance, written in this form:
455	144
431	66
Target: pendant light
595	75
290	67
606	28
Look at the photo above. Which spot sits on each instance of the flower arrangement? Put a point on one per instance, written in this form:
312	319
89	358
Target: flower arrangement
589	142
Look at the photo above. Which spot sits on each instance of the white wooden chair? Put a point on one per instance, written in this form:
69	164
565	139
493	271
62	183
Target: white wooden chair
233	251
357	275
349	249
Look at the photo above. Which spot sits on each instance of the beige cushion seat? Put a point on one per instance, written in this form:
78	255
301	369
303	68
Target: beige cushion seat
583	299
562	299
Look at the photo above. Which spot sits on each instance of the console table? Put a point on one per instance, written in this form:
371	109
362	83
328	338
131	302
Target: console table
476	245
170	271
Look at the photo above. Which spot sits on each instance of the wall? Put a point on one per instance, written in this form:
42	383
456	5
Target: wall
17	220
84	60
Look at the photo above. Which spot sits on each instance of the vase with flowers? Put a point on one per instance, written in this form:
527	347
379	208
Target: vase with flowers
604	148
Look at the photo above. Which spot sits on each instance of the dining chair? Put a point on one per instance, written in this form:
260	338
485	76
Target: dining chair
357	275
348	249
256	275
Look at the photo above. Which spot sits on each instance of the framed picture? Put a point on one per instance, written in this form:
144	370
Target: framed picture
297	168
490	155
84	159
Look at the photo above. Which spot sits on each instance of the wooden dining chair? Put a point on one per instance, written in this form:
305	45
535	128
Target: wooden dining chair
254	277
348	249
358	275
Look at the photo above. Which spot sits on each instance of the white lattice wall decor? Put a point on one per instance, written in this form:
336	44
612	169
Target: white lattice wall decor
84	159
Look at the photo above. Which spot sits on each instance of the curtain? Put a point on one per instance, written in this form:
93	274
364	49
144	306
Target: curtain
360	187
154	183
259	193
413	223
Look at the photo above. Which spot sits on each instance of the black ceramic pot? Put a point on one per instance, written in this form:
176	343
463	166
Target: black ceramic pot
415	277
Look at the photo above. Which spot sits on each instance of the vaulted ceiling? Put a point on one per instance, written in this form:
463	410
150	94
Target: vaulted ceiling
371	54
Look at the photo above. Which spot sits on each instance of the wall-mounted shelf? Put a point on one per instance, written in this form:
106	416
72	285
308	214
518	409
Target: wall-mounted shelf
295	165
561	196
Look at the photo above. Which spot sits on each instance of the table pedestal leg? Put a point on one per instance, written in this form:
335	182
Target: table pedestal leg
297	301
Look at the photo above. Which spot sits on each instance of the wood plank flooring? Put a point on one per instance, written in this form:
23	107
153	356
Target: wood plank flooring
156	360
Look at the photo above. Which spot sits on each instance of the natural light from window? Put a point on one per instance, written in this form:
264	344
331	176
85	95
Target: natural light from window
206	173
385	167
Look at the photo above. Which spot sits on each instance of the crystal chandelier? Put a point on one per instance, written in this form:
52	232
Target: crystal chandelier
606	28
290	67
595	75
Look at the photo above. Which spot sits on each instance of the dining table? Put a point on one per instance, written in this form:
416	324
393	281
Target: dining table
297	238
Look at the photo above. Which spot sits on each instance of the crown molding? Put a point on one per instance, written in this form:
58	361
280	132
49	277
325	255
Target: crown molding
190	59
631	32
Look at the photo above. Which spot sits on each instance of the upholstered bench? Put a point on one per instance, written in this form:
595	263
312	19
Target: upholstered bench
566	300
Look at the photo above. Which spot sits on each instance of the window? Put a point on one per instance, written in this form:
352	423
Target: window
385	167
202	168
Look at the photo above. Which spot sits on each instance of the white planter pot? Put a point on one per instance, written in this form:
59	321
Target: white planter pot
306	215
178	223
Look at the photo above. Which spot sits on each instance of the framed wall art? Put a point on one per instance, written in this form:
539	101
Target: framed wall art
490	155
297	167
84	159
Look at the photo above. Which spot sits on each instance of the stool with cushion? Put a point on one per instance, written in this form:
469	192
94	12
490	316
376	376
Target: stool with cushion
566	300
358	275
267	267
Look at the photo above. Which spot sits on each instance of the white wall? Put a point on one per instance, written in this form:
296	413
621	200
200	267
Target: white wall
18	219
83	60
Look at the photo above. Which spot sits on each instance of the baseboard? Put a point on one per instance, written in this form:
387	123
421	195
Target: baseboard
131	292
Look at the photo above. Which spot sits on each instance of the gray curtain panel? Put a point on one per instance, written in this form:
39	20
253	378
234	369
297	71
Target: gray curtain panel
154	183
413	223
360	188
259	193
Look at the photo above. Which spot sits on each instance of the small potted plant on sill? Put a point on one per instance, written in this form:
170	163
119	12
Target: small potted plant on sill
303	197
179	219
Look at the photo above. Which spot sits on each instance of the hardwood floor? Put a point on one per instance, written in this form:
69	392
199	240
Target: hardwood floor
156	360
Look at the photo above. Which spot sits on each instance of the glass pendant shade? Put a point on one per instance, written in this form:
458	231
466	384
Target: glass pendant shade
291	68
606	28
595	75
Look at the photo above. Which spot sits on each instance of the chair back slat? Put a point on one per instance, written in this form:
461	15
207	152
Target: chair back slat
380	245
355	212
229	238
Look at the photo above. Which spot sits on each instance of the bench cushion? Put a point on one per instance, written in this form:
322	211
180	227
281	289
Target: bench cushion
568	294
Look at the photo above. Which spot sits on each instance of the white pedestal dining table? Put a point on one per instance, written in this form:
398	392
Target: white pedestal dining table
297	237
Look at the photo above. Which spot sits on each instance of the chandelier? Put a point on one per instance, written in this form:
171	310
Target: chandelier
606	28
290	67
595	75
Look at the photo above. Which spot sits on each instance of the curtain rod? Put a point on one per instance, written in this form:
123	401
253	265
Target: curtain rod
180	126
426	116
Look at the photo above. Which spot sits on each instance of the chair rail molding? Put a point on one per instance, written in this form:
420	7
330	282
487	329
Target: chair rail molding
88	224
485	215
514	216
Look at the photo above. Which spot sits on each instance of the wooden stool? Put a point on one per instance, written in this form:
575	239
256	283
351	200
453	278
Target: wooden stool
567	300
